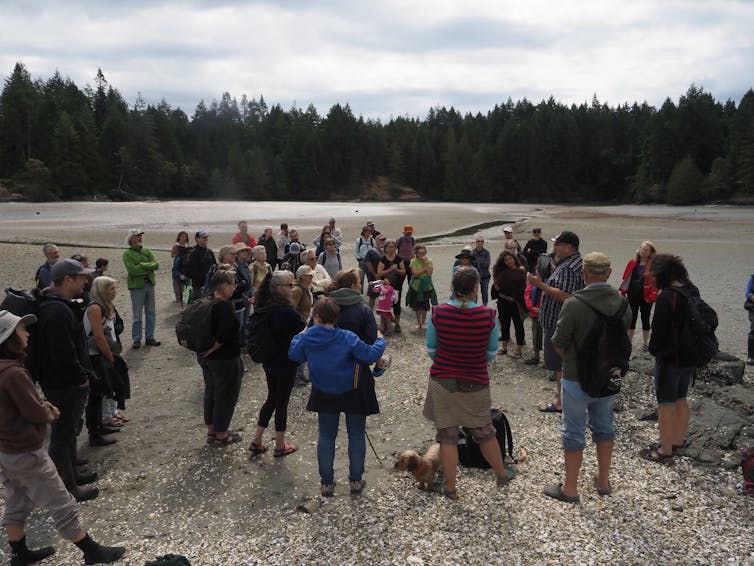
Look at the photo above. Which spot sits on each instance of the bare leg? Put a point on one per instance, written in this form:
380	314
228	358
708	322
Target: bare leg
258	436
279	439
449	461
645	336
573	459
604	460
558	376
15	533
682	422
666	422
631	334
491	452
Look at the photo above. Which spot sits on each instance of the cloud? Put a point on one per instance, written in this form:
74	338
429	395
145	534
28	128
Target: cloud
390	57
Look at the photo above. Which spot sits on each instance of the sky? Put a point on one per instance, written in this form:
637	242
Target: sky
387	58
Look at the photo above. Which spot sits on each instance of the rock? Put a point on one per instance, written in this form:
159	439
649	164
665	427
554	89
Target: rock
737	397
712	429
722	372
731	461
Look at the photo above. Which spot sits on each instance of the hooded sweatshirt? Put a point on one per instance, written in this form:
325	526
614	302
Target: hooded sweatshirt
576	319
23	417
332	355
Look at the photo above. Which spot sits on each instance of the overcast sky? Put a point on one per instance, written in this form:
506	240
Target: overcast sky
387	57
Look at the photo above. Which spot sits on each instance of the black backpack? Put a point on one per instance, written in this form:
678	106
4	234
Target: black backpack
22	303
469	453
194	330
603	356
260	343
696	341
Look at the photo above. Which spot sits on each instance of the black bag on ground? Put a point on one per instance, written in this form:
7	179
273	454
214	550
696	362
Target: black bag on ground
604	354
697	343
169	560
194	330
261	344
469	453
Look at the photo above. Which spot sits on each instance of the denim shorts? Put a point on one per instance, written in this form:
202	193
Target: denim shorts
579	411
671	382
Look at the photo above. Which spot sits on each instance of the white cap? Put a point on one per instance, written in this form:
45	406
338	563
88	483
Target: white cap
508	229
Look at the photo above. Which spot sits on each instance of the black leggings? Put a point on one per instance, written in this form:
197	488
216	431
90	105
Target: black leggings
507	311
639	305
279	389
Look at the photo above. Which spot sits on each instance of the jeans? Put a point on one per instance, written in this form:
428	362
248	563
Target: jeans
357	446
579	411
143	300
484	284
64	430
222	385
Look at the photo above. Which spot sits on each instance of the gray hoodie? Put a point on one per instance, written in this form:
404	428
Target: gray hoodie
576	320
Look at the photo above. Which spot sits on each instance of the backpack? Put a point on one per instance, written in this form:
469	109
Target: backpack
469	453
260	343
603	356
194	330
696	341
21	304
747	467
169	560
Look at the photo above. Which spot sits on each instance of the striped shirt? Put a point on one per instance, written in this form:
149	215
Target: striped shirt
463	336
567	277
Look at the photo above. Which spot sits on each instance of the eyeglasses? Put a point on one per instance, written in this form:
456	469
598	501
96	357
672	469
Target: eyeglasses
536	231
480	241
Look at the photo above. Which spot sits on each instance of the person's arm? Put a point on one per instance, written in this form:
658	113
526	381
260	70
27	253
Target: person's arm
296	349
134	266
430	267
24	396
431	340
557	294
417	267
492	342
94	314
661	322
565	329
382	269
750	289
368	353
61	350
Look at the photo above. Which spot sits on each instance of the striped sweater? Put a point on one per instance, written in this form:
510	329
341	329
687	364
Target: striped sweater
463	335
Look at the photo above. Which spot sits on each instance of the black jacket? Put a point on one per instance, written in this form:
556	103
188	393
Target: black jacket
197	264
59	345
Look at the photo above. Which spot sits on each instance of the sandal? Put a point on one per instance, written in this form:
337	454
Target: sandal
601	490
555	490
230	438
256	449
656	455
442	489
549	408
284	451
502	352
516	355
121	417
510	473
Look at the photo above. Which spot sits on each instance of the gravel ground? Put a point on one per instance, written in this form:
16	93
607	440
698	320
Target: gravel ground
164	490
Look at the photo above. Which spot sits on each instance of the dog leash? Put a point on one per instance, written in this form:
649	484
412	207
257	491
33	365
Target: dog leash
379	460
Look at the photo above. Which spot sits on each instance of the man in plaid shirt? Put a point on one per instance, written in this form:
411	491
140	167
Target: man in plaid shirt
566	278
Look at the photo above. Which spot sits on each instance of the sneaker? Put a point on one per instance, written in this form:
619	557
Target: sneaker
327	489
379	370
136	345
152	342
358	486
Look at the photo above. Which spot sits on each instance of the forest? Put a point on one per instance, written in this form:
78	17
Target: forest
62	142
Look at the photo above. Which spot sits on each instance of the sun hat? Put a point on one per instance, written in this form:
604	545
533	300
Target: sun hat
9	322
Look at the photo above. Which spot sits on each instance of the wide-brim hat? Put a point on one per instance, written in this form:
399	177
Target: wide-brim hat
9	322
465	254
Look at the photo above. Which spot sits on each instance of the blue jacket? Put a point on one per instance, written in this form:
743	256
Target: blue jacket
332	355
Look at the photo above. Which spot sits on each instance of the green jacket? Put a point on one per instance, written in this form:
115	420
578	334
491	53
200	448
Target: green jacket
140	265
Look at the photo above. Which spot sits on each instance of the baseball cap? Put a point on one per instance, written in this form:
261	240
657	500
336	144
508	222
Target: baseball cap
68	267
331	219
9	322
304	270
508	229
201	234
131	233
566	238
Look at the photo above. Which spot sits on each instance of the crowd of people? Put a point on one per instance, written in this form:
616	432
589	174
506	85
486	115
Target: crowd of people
323	319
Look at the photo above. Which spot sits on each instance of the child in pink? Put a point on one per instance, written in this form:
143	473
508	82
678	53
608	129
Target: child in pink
387	298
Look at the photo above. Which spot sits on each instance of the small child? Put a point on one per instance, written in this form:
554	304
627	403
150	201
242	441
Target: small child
100	266
387	298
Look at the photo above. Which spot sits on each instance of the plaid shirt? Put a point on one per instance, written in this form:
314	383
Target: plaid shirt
567	277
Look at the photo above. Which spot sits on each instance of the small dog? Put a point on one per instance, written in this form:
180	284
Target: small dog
424	468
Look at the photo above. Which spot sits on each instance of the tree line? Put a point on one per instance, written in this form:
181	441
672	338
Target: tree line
58	141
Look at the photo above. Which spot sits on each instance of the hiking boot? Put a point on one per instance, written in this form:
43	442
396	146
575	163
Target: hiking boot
358	486
95	553
152	342
100	440
84	493
22	555
397	328
327	489
83	478
136	345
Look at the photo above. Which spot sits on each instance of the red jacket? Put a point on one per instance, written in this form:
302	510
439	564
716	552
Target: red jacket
650	291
